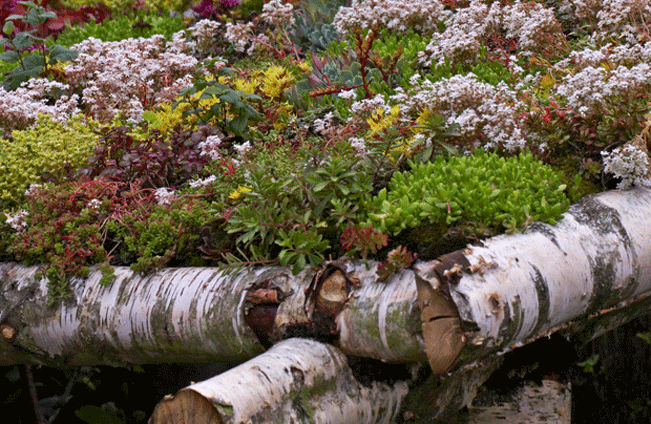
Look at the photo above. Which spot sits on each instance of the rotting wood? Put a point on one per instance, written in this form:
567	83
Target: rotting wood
297	380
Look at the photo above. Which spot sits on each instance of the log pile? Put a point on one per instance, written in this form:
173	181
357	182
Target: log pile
335	345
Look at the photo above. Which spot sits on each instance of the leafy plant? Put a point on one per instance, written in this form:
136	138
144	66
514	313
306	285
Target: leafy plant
210	99
297	204
30	65
483	193
158	161
132	25
313	29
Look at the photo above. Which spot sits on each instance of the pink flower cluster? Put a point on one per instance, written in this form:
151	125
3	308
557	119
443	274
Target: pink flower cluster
19	109
128	76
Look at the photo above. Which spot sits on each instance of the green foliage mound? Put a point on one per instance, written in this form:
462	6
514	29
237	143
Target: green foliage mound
48	152
121	27
481	193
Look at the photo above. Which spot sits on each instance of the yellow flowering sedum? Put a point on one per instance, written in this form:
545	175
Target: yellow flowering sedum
239	193
48	151
380	120
275	81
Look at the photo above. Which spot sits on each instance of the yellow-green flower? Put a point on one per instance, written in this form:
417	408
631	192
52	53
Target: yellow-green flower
239	193
276	79
380	121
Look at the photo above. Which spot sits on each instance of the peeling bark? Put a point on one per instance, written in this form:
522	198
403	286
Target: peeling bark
297	380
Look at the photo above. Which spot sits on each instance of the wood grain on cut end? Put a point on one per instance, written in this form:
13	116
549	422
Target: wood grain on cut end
442	332
185	407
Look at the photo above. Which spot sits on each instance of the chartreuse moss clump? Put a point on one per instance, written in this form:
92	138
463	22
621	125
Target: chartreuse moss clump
482	193
47	152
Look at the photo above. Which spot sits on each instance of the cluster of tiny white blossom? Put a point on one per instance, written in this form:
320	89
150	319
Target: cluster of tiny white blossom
126	76
359	144
620	19
321	126
465	32
630	163
164	196
475	107
243	38
241	149
93	205
532	24
210	147
277	13
364	108
19	109
587	90
204	31
203	182
397	15
17	220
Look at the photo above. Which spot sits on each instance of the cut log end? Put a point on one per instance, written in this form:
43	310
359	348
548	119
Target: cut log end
442	333
185	407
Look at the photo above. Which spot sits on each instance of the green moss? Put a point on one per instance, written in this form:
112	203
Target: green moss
48	152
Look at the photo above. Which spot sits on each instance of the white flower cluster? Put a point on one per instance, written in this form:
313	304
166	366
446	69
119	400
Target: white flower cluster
94	205
128	75
17	221
204	31
465	31
397	15
365	108
321	126
479	109
359	144
210	147
620	19
278	14
19	109
533	25
181	44
587	90
584	9
243	37
164	196
203	182
630	163
241	149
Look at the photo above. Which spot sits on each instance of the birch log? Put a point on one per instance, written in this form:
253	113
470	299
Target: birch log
297	381
205	315
595	265
173	315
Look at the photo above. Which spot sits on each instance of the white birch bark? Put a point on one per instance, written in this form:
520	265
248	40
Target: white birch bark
173	315
296	381
517	288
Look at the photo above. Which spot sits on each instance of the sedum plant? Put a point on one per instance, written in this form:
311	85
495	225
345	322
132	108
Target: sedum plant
47	152
138	24
483	193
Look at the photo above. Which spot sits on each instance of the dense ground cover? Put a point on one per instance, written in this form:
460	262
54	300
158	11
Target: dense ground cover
290	132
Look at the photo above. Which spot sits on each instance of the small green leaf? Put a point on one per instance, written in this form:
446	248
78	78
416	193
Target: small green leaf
8	28
62	54
9	56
